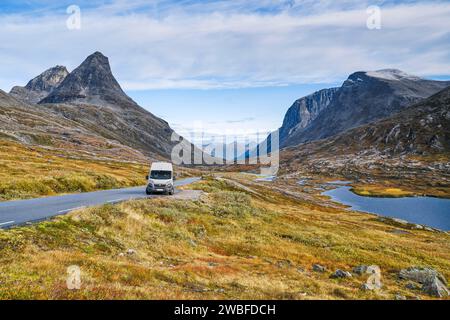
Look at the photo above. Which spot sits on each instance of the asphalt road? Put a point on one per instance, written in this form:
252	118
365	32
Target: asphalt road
13	213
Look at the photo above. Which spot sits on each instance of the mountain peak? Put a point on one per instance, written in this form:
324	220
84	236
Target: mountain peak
97	58
92	82
49	79
98	54
40	86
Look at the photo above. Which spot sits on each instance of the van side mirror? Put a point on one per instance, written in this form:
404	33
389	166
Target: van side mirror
146	177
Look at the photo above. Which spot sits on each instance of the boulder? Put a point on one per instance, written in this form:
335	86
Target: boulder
435	288
341	274
360	270
421	275
433	283
319	268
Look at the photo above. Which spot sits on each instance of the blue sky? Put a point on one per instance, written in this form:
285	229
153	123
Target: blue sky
244	111
234	66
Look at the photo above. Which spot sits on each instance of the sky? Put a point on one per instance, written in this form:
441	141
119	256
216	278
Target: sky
219	66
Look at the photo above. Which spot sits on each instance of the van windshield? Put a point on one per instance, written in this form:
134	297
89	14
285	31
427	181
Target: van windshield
161	175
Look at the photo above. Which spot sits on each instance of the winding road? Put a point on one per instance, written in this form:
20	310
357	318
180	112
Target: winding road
14	213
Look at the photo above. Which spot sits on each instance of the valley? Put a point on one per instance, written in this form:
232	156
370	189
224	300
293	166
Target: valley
235	235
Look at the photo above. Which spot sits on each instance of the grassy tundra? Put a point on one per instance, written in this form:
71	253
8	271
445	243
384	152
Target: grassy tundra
238	241
29	172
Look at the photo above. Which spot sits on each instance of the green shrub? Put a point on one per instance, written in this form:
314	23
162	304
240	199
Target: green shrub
106	182
214	185
231	203
75	183
107	213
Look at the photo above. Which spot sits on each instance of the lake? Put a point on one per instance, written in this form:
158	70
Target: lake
433	212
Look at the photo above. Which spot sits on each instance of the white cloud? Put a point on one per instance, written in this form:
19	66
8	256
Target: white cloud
230	44
219	130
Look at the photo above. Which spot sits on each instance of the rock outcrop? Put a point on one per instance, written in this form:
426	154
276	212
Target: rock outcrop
304	111
433	283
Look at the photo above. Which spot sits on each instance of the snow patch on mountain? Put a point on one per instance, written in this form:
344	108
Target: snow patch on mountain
392	74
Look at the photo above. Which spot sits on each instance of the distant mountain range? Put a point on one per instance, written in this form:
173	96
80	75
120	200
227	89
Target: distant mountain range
227	151
384	112
92	98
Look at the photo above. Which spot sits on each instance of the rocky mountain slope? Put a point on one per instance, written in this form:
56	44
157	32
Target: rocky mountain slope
414	142
33	126
92	82
41	86
304	111
299	116
363	98
422	129
92	97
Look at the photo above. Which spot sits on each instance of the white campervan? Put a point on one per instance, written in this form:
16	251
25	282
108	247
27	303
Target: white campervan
161	178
